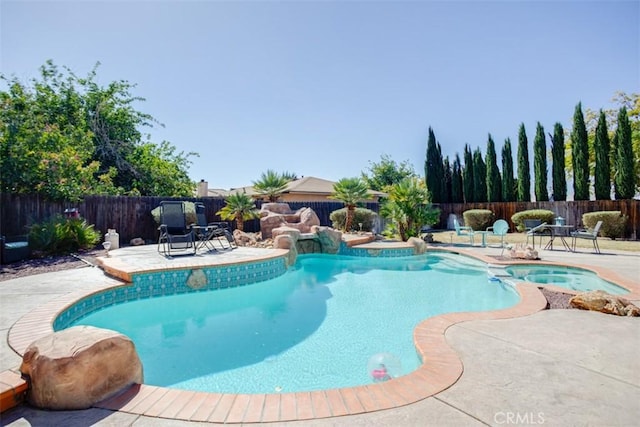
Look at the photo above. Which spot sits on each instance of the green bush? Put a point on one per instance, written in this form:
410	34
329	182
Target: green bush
478	219
614	223
189	209
543	215
61	236
363	216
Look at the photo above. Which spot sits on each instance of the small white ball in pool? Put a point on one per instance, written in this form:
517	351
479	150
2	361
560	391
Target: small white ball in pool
383	367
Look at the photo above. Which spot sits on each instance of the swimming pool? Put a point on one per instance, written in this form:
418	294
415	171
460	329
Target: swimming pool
576	279
315	327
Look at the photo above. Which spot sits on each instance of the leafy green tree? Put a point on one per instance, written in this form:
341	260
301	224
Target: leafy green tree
558	166
64	137
524	173
540	164
350	191
509	186
457	194
239	208
602	174
387	172
494	183
159	171
467	176
479	176
624	178
408	208
271	185
433	169
46	146
580	156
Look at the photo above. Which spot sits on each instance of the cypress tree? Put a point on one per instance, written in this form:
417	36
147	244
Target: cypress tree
494	184
457	194
625	180
540	164
479	177
446	194
433	171
558	169
508	184
602	174
580	156
467	176
524	174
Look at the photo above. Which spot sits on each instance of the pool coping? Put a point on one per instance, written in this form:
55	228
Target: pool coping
441	367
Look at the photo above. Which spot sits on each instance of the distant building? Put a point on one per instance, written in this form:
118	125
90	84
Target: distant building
203	190
306	189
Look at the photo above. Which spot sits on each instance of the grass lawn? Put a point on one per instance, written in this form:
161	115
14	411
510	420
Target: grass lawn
449	236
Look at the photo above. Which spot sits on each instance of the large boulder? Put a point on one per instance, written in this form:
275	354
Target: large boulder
286	230
78	367
604	303
419	245
288	241
330	239
274	215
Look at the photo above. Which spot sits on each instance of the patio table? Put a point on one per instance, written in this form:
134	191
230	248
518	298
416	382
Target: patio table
561	231
484	237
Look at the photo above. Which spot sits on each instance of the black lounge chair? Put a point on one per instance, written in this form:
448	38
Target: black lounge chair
208	232
175	235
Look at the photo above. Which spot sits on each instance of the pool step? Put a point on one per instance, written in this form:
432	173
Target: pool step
13	390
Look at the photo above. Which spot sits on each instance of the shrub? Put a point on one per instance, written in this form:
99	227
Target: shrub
363	216
61	236
189	209
613	222
543	215
478	219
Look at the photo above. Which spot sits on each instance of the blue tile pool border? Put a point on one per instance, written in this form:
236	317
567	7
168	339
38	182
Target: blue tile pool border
174	282
171	282
375	252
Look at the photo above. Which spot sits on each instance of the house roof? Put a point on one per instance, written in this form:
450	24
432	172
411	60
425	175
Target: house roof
304	185
217	192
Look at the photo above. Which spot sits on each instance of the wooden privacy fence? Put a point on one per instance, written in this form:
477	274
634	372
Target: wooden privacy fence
571	211
130	216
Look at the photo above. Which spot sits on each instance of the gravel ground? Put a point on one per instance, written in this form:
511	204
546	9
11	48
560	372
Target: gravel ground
556	299
45	265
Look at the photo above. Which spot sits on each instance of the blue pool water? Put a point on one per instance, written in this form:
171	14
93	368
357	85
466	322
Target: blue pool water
566	277
315	327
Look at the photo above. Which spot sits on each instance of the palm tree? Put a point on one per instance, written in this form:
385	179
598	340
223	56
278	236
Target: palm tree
408	208
272	184
239	207
350	191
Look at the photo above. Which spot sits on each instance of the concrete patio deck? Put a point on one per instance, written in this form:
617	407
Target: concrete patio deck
554	367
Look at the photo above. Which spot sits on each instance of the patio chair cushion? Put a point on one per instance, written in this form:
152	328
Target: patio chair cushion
14	249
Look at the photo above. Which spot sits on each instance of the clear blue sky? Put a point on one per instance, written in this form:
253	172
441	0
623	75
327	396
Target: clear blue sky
323	88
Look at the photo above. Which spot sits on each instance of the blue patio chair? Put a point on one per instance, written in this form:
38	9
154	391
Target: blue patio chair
174	233
500	228
462	230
